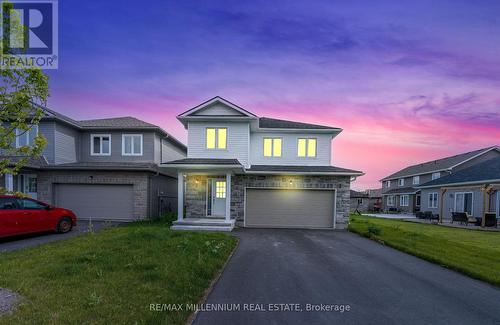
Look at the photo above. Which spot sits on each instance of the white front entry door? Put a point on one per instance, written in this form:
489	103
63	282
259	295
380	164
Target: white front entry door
218	197
28	185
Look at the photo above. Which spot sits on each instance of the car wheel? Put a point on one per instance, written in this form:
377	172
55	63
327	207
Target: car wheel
64	225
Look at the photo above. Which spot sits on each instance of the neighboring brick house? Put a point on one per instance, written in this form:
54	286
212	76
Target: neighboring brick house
258	172
400	191
101	169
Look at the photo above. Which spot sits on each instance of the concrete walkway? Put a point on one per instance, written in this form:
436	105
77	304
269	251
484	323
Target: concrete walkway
391	215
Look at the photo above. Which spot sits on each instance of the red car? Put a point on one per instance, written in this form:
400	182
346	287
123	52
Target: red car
23	216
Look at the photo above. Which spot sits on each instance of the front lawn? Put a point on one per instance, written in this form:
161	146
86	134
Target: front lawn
112	277
475	253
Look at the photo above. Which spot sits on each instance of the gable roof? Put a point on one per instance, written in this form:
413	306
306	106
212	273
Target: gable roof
440	164
272	123
487	171
216	99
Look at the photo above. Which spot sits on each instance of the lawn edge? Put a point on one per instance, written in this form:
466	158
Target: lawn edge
427	258
211	287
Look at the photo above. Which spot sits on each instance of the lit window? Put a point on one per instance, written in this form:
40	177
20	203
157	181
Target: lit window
100	144
220	189
306	148
404	200
132	144
216	138
436	175
272	147
401	182
416	180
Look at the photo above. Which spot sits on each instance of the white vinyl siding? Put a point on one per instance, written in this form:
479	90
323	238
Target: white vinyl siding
132	144
238	141
289	149
433	200
66	144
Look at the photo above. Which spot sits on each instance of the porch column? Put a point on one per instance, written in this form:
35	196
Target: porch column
9	182
228	196
180	196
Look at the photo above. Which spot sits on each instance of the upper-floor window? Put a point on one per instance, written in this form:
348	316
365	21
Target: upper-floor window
100	144
436	175
306	147
26	137
401	182
132	144
272	147
216	138
416	180
388	183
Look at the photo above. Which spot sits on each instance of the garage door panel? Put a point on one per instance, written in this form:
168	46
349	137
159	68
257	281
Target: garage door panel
105	202
289	208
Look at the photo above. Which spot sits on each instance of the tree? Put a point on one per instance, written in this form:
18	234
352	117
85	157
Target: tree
23	93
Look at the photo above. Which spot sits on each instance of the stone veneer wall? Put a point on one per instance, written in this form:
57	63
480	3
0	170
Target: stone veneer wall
340	183
139	180
195	199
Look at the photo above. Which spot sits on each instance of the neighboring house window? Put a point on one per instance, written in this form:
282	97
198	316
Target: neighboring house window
132	144
404	200
216	138
26	138
401	182
272	147
360	201
464	202
388	183
433	200
390	200
306	148
418	199
436	175
100	144
416	180
220	189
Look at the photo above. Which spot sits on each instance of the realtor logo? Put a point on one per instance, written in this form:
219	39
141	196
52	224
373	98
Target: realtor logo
29	34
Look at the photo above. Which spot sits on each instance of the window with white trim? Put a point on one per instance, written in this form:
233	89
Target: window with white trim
401	182
390	200
404	200
26	137
132	144
100	144
216	138
435	175
306	147
433	200
416	180
272	147
388	183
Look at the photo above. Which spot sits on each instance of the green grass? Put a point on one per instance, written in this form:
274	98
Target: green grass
475	253
112	276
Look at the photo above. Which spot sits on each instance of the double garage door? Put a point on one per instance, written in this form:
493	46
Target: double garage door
97	202
289	208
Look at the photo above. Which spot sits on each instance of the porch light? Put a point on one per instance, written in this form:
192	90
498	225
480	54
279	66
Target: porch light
290	182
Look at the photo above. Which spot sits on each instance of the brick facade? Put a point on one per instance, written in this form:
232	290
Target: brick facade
196	195
140	181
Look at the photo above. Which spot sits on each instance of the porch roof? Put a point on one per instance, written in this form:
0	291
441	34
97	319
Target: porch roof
312	170
402	190
204	163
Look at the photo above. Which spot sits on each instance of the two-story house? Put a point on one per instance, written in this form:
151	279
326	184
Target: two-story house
258	172
100	169
401	191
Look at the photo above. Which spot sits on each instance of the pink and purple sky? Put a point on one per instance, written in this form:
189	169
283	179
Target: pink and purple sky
408	81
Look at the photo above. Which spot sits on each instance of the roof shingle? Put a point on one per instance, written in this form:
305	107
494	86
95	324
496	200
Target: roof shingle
272	123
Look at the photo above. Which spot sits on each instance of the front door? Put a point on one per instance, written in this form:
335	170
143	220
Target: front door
218	197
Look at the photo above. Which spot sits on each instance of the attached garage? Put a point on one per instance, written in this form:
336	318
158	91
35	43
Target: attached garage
289	208
97	201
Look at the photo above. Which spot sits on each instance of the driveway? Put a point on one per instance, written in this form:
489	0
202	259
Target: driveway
381	285
18	242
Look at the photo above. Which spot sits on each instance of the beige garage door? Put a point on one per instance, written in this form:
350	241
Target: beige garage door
283	208
99	202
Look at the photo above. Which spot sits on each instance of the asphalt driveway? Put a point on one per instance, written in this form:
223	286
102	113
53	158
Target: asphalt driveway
339	269
18	242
